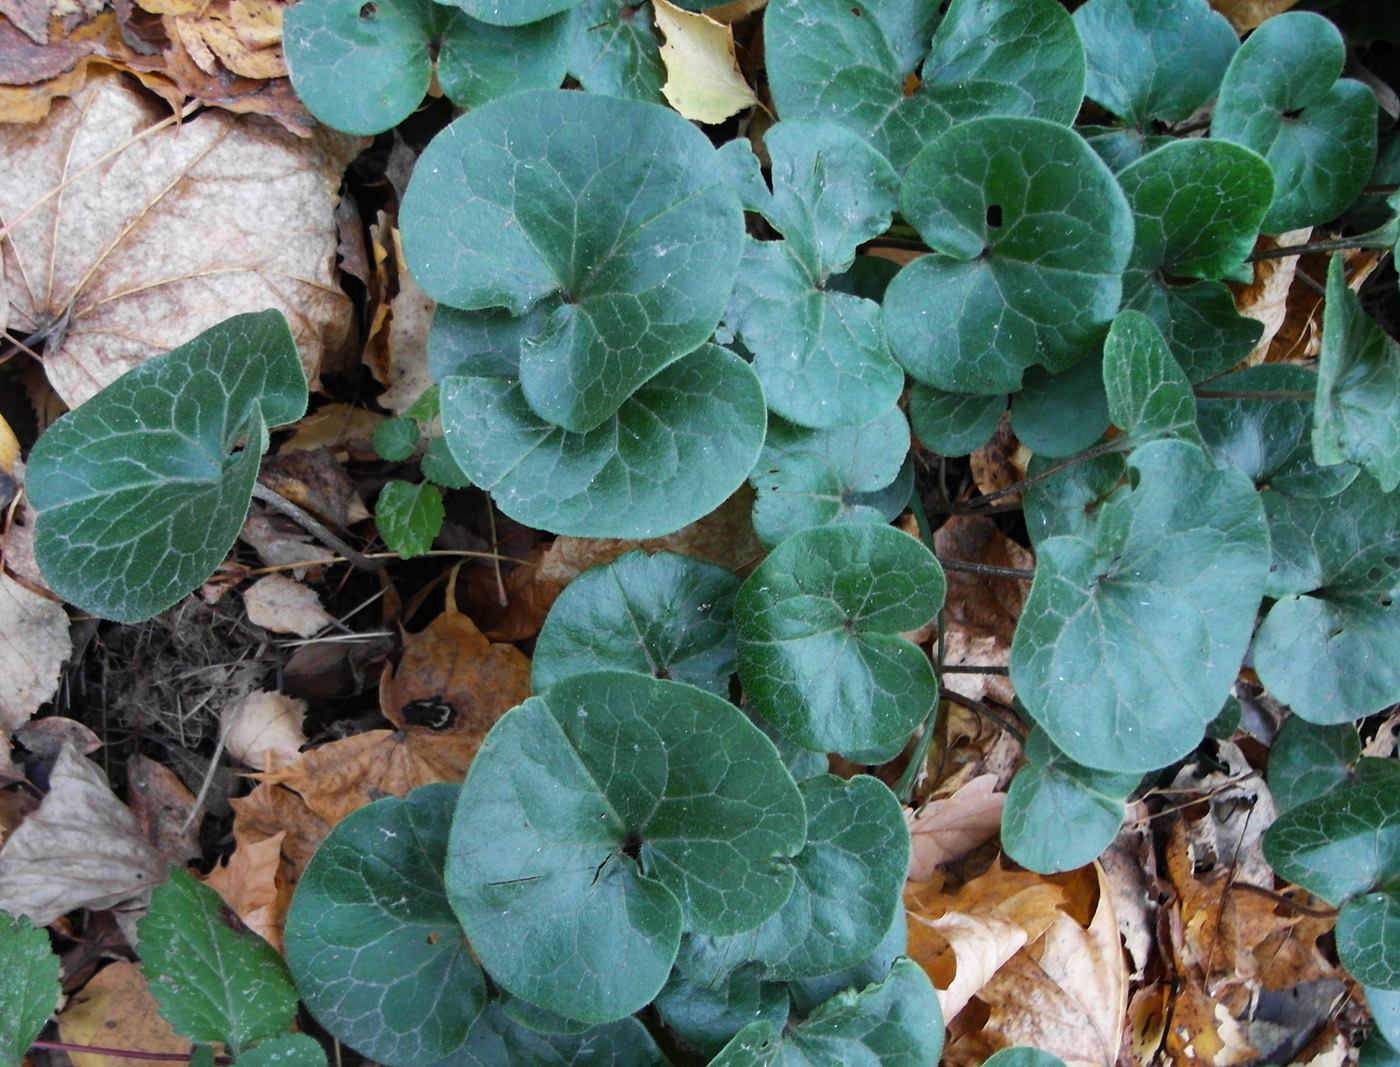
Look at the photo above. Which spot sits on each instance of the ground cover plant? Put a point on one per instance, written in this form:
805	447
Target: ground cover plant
988	218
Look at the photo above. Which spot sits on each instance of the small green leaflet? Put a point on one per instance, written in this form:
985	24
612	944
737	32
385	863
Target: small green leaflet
953	424
213	982
616	50
139	491
29	991
1068	503
1148	395
374	946
576	860
409	517
396	439
283	1050
1057	415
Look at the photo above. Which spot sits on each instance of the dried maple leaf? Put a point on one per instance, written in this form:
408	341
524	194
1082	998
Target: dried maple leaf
253	883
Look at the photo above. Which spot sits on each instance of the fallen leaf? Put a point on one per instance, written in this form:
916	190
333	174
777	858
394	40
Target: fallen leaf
116	1010
46	737
339	427
703	81
1266	297
278	542
81	849
173	233
1245	15
162	806
265	727
270	810
950	828
314	480
31	16
995	464
277	603
252	883
34	644
400	363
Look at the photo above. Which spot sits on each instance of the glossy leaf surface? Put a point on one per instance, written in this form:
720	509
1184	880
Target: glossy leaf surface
1148	395
1306	760
409	516
496	1039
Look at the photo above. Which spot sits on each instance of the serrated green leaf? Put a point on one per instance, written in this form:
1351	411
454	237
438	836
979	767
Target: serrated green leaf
496	1040
575	863
610	218
815	477
29	991
953	424
425	408
1057	415
1053	790
1282	97
409	517
1067	504
213	982
673	452
374	946
893	1024
363	68
283	1050
1330	647
706	1018
512	12
617	50
820	354
849	876
1154	60
1133	633
1031	235
1356	414
440	467
396	439
1306	760
1148	395
819	621
139	491
664	615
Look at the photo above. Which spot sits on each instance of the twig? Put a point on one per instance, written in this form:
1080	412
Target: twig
986	570
124	1053
973	669
1014	727
279	503
1335	244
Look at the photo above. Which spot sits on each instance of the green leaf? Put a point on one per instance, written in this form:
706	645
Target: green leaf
576	860
213	982
1154	60
810	993
1384	1007
1330	647
617	50
139	491
30	991
611	215
1067	504
409	517
849	877
820	354
374	946
1269	439
819	621
1282	97
893	1024
439	466
816	477
1053	790
364	67
396	439
1032	235
673	452
513	12
284	1050
425	409
664	615
1022	1056
1057	415
1356	415
497	1040
1306	760
1368	940
1205	332
706	1018
1148	395
1133	632
953	424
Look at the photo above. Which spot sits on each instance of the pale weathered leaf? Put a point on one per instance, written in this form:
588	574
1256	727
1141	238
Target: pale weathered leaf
265	727
703	79
279	604
33	645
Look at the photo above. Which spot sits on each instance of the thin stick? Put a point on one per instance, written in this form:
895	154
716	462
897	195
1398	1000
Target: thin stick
1104	449
1335	244
279	503
987	570
125	1053
1014	727
973	669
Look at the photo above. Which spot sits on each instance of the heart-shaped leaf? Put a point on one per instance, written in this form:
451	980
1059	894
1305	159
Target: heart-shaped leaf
816	477
1330	647
611	215
953	424
664	615
372	942
1306	761
1356	416
1148	395
849	876
706	1018
409	516
498	1039
1053	790
1133	633
673	452
29	994
576	859
820	354
1154	60
819	621
139	491
1032	235
1282	97
617	50
810	993
363	68
513	12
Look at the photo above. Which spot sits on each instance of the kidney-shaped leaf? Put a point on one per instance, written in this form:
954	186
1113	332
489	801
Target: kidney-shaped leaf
1282	97
513	12
372	942
1132	634
612	215
602	819
617	50
139	491
672	452
707	1017
819	622
663	615
1032	235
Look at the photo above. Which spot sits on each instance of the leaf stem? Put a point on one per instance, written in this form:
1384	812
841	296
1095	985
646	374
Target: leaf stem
1012	726
974	669
279	503
1335	244
125	1053
987	570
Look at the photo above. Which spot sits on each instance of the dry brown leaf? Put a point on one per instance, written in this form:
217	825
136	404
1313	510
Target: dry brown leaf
252	883
948	829
1245	15
398	357
172	234
116	1010
9	444
703	81
46	737
34	644
81	849
31	16
270	810
1203	1033
995	464
277	603
1266	297
315	480
162	806
265	727
343	428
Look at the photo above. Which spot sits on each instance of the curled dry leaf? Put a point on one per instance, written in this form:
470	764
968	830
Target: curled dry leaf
277	603
45	737
1266	297
950	828
173	233
270	810
34	643
265	727
253	883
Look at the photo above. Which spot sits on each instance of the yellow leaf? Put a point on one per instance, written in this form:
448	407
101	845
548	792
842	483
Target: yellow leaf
703	80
